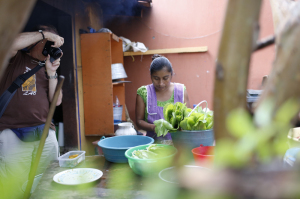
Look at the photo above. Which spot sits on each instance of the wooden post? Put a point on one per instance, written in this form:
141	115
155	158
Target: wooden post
36	161
13	16
280	11
284	80
238	40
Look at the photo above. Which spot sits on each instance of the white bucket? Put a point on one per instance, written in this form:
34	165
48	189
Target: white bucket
117	110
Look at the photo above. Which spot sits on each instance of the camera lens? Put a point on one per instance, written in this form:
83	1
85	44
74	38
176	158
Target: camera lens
55	53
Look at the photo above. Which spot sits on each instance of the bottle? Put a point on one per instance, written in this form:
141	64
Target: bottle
117	102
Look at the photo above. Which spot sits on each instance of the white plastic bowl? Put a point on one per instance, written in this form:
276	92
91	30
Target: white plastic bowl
170	174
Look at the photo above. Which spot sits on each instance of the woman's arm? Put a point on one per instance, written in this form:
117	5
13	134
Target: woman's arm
186	99
140	115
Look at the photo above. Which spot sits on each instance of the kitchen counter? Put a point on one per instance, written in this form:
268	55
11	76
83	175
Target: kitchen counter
47	188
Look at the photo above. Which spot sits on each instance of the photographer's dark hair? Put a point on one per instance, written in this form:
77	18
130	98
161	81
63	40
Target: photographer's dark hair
47	27
159	62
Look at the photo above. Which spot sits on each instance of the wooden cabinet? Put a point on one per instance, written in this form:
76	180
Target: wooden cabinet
98	52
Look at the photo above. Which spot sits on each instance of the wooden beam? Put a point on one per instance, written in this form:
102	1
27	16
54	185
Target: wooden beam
171	50
264	43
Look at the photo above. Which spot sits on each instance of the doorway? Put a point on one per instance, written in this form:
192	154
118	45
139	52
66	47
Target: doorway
44	13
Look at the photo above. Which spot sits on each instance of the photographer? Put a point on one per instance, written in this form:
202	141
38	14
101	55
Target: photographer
22	123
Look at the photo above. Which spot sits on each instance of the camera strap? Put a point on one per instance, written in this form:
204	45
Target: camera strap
9	93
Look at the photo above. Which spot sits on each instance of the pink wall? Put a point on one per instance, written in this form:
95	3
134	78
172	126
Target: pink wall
182	23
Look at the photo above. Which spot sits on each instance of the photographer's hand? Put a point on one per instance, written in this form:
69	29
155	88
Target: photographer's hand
51	71
52	67
58	41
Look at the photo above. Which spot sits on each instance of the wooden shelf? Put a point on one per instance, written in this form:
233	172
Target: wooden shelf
121	82
171	50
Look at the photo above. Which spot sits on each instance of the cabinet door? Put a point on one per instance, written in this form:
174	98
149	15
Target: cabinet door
97	83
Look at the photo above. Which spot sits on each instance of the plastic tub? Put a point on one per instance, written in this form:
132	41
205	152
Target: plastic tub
65	161
150	166
114	147
117	112
203	155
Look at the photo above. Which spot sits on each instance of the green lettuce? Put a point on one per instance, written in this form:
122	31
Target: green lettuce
197	121
153	151
174	113
179	116
162	127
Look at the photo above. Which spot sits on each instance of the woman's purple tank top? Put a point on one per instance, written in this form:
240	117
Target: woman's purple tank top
155	112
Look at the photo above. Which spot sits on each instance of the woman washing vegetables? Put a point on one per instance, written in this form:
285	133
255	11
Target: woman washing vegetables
152	98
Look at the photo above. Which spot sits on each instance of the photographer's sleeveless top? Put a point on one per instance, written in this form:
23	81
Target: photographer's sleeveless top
155	112
30	105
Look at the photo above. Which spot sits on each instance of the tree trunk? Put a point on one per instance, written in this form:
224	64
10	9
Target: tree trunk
238	40
284	80
280	11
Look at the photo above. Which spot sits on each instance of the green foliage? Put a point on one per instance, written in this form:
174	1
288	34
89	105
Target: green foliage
177	116
255	143
198	120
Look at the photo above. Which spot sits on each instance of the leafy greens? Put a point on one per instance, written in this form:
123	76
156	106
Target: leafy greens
177	116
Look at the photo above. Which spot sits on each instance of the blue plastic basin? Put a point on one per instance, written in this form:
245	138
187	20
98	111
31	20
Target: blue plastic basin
114	147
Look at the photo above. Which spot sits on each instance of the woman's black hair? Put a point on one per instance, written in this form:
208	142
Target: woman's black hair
159	62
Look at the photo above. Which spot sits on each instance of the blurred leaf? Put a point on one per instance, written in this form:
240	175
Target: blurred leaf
263	114
239	123
287	111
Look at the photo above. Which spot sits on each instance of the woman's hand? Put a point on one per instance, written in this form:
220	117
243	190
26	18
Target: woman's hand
153	128
58	41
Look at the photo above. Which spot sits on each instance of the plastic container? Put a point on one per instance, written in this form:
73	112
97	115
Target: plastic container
65	161
114	148
291	156
204	155
149	166
117	112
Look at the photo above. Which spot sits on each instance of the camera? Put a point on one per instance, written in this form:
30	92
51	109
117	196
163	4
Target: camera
54	53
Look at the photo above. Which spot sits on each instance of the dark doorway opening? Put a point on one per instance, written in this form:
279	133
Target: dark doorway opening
45	14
